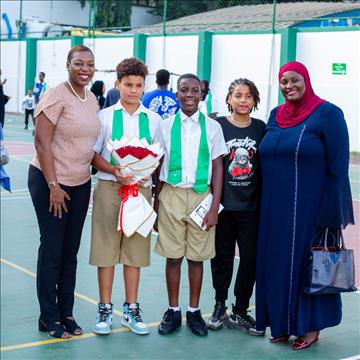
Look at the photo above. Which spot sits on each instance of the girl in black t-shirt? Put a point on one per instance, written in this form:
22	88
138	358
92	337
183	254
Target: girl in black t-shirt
238	222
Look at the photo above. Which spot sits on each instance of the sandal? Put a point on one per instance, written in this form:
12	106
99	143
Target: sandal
55	330
71	326
300	343
281	338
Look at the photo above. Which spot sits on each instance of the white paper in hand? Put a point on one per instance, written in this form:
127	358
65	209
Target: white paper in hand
202	209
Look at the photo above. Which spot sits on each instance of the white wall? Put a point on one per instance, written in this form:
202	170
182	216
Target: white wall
13	66
51	59
255	57
177	54
108	53
318	51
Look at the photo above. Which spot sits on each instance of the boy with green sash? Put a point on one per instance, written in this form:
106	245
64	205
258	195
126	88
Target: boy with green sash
192	168
128	117
208	104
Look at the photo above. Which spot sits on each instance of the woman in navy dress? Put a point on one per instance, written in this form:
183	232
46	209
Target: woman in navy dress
305	160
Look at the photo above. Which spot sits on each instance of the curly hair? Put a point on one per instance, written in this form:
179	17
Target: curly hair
131	66
253	91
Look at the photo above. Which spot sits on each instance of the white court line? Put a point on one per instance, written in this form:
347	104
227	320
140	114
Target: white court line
355	357
14	142
21	156
14	198
20	190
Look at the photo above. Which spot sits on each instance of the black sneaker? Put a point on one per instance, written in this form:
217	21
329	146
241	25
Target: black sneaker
170	322
196	323
218	317
244	323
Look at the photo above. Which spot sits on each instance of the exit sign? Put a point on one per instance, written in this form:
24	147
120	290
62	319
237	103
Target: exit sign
339	69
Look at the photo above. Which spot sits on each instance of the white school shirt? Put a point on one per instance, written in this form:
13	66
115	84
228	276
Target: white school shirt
214	105
190	140
29	102
131	129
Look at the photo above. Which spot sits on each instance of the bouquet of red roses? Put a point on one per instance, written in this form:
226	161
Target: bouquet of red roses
138	158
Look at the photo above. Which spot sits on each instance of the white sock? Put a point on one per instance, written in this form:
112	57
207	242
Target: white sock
191	309
175	308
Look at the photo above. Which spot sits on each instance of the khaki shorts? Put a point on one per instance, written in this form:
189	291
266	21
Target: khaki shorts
109	246
178	234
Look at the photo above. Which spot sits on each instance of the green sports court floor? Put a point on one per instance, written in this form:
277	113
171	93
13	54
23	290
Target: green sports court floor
20	338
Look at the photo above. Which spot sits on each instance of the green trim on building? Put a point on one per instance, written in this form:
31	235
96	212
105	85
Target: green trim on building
77	40
31	58
140	46
204	55
287	50
328	29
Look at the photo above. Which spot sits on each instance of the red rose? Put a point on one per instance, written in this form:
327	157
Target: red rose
136	151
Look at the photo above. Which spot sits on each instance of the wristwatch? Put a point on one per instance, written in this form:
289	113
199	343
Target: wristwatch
52	185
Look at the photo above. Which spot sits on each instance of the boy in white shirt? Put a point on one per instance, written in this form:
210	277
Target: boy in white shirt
109	247
29	106
192	167
208	104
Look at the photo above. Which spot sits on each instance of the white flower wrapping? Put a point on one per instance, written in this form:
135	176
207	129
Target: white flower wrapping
135	214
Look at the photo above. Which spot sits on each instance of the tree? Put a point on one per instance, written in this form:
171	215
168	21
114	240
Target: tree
111	13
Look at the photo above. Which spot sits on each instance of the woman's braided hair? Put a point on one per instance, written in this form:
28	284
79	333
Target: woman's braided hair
252	87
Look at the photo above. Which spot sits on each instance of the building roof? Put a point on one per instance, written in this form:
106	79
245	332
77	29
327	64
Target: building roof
251	17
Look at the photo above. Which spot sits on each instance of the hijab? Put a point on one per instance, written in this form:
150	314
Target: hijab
294	112
97	88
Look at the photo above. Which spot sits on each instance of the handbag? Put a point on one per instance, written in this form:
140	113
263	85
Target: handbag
331	270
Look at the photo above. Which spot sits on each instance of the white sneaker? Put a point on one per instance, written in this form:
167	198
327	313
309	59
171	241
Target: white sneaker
132	319
103	319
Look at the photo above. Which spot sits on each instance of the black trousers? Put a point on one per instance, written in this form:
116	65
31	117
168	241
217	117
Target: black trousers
59	245
27	114
233	227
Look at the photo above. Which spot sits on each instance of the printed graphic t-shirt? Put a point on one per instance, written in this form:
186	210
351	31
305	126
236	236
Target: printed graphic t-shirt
163	102
242	183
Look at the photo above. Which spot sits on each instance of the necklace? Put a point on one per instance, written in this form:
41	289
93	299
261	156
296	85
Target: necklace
240	125
76	94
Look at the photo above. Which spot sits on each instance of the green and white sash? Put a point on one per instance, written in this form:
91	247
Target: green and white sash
118	128
175	162
209	103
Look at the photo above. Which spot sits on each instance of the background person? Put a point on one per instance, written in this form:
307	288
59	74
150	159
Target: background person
67	127
305	161
40	87
98	89
161	100
208	104
29	106
112	97
4	159
239	220
3	100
